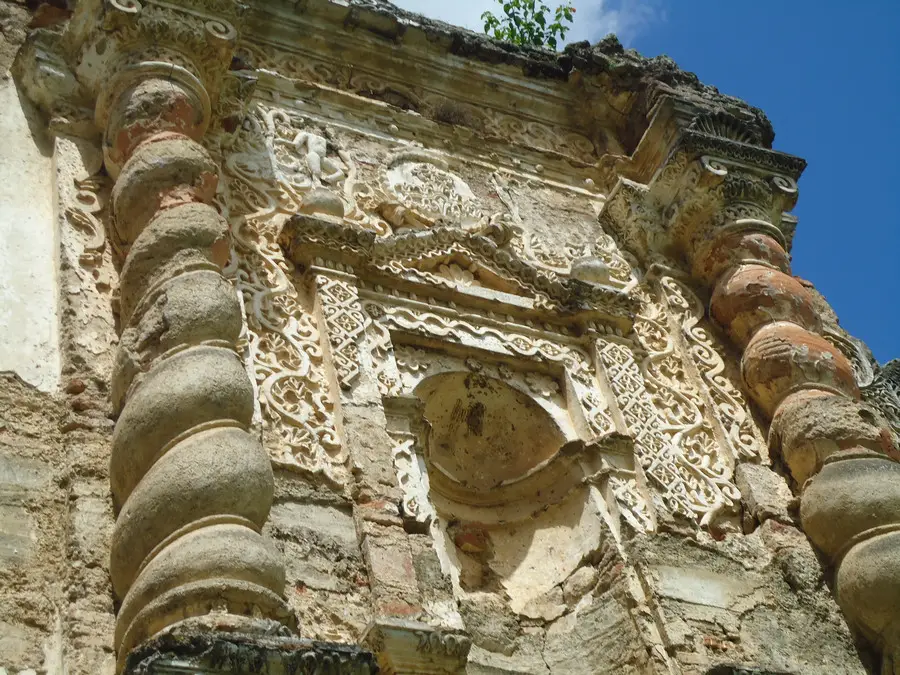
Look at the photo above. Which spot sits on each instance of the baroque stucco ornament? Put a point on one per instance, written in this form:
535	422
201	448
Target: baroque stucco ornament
379	369
722	202
444	246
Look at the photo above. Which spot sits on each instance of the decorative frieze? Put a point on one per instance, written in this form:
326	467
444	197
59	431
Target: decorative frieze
221	653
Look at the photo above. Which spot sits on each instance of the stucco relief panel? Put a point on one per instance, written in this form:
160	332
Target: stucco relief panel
488	122
267	167
636	384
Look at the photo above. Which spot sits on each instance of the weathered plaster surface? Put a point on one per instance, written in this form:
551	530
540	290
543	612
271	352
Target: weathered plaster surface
451	324
29	316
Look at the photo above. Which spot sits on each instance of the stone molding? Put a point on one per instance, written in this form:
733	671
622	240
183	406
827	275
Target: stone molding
218	653
414	648
306	237
580	104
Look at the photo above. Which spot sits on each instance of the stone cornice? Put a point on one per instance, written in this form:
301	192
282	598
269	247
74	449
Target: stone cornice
693	174
701	143
582	103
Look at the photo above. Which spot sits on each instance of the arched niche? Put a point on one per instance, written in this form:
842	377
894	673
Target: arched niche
493	453
508	489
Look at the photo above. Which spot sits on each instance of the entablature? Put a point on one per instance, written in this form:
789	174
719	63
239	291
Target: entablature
582	104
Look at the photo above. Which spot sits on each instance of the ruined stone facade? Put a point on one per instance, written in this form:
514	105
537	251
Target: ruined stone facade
337	340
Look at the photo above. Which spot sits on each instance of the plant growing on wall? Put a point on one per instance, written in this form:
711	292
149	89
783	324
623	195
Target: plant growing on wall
529	22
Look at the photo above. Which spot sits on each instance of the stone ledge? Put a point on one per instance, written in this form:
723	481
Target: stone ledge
211	653
743	670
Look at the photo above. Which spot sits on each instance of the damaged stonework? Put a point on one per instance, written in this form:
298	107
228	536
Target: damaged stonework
217	653
386	347
717	599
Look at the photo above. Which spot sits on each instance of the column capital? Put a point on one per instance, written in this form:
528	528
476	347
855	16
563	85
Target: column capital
718	178
110	45
108	37
715	178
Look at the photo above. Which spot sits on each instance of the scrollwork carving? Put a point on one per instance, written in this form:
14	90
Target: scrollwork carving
281	339
731	408
82	214
675	445
221	30
715	166
126	6
411	478
378	339
697	482
197	36
345	322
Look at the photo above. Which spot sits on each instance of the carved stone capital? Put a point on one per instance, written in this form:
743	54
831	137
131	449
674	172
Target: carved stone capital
676	116
111	48
704	196
109	37
409	647
714	179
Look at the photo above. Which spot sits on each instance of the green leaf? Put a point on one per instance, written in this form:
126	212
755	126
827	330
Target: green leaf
525	22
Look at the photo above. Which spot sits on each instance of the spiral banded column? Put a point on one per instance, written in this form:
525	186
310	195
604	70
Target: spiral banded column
839	450
194	487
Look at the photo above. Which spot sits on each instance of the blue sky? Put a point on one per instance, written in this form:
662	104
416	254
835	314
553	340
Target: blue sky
827	74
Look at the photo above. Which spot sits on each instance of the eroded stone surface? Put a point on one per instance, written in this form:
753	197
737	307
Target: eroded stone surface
456	349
